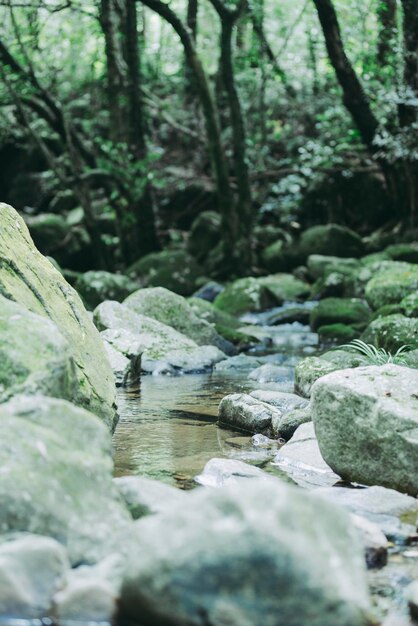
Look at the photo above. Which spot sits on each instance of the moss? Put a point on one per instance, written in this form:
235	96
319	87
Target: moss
386	309
409	305
392	332
342	333
340	311
392	284
403	252
97	286
330	239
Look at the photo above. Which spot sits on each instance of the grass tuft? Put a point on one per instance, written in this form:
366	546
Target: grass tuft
377	356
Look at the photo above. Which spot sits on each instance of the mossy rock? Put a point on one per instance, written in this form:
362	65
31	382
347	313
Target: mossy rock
320	265
403	252
392	284
385	310
47	230
341	333
333	285
257	294
375	257
340	311
33	282
205	234
392	332
97	286
331	240
409	305
280	257
175	270
309	370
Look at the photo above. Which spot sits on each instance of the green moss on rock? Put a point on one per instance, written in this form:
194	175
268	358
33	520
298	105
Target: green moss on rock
392	284
340	311
175	270
392	332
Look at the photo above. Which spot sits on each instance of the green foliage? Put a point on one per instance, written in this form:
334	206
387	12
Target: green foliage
377	356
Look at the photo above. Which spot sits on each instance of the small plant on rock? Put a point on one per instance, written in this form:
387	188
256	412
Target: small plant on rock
377	356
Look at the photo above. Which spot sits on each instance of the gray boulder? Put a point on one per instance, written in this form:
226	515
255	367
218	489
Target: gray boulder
366	421
309	370
145	496
33	282
280	399
241	411
257	552
270	373
96	286
56	477
220	472
126	371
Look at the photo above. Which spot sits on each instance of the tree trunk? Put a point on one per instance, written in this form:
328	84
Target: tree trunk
386	15
408	108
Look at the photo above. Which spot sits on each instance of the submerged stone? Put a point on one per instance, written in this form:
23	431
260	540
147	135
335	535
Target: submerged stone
97	286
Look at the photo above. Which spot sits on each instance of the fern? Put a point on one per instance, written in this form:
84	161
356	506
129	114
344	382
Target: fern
377	356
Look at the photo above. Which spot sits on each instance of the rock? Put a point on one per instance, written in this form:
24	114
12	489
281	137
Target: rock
241	411
403	252
256	294
32	569
98	286
288	315
162	349
209	291
312	368
334	285
337	333
173	269
220	472
332	240
56	477
302	460
280	400
270	373
205	234
126	371
173	310
48	231
386	508
391	285
145	496
320	266
29	279
392	331
366	421
409	305
411	595
256	552
351	311
288	424
374	542
34	356
280	256
91	594
241	363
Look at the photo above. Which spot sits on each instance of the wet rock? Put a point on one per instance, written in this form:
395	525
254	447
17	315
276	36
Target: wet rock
391	285
220	472
126	371
270	373
240	363
332	240
366	421
256	294
392	331
302	460
34	356
257	552
175	270
281	400
337	333
239	410
403	252
320	265
56	477
351	311
286	427
374	542
173	310
91	594
29	279
411	595
209	291
145	496
388	509
163	349
95	287
334	285
32	569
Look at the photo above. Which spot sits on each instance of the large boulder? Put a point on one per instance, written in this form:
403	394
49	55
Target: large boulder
56	477
332	240
175	270
243	412
162	349
34	356
256	552
32	281
256	294
310	369
349	311
173	310
320	265
97	286
390	285
366	421
391	332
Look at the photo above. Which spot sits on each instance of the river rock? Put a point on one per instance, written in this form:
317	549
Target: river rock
241	411
209	291
350	311
34	356
330	239
309	370
392	331
95	287
173	310
125	370
301	458
280	399
56	477
163	349
32	569
320	266
145	496
33	282
220	472
240	363
411	595
270	373
256	552
374	542
366	421
288	424
91	593
392	284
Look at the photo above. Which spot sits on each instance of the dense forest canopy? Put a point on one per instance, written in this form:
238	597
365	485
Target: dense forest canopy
142	114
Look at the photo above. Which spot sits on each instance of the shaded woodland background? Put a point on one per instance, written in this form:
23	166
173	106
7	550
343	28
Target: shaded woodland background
124	125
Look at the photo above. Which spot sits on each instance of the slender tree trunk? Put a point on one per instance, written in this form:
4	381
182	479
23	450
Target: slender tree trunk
408	108
386	14
191	20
